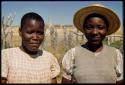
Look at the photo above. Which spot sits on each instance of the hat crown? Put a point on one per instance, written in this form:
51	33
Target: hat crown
100	5
114	22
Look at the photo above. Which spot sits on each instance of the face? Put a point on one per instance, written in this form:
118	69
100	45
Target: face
32	35
95	30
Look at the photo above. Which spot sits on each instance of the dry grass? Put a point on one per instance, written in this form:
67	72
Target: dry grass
60	48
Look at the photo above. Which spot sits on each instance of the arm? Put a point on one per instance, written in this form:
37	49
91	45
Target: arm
67	65
3	80
54	80
4	70
119	82
55	69
119	67
64	80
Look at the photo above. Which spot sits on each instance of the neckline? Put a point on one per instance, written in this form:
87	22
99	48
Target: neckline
95	53
39	53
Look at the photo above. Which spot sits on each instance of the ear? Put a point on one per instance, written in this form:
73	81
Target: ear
20	33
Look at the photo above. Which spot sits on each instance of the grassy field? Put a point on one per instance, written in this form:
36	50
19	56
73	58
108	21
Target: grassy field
61	43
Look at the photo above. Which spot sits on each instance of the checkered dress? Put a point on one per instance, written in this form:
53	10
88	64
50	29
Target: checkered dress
19	67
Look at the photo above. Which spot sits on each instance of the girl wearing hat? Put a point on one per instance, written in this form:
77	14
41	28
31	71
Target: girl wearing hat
27	63
94	62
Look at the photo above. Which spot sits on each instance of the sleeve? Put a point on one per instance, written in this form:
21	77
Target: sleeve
119	67
55	68
4	63
67	64
121	49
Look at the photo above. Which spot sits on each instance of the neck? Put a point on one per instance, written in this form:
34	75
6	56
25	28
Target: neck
94	48
23	48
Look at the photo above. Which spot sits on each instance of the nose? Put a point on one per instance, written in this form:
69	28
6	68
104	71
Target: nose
34	36
95	31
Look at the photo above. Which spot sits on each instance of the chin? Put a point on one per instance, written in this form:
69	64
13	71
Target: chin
95	43
34	50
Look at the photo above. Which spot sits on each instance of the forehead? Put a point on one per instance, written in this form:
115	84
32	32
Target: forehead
95	19
33	23
95	15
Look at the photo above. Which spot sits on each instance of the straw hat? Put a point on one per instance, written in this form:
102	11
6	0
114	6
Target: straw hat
79	17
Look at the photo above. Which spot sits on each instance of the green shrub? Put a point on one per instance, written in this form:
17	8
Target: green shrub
117	44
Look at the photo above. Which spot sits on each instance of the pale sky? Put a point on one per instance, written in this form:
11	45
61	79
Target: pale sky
55	12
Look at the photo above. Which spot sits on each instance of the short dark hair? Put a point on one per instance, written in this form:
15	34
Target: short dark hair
96	15
31	15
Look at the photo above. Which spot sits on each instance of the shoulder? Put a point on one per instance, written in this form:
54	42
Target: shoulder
72	50
10	49
48	55
113	50
10	52
110	47
70	54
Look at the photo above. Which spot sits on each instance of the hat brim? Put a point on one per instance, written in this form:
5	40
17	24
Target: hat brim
79	17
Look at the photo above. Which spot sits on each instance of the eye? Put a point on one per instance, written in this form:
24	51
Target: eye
101	27
89	26
40	33
29	32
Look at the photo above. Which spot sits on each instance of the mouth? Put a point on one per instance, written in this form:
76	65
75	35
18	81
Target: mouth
34	44
95	39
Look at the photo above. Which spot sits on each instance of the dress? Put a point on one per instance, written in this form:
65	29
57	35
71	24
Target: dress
85	66
19	67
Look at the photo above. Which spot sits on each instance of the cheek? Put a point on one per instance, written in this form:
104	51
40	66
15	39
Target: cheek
26	37
41	38
87	31
103	35
88	36
103	32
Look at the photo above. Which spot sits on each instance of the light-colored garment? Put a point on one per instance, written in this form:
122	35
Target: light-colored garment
121	49
94	64
19	67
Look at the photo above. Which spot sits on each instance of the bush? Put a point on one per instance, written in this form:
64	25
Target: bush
116	44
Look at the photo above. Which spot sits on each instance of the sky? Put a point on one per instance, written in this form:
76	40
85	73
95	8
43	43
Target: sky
54	12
